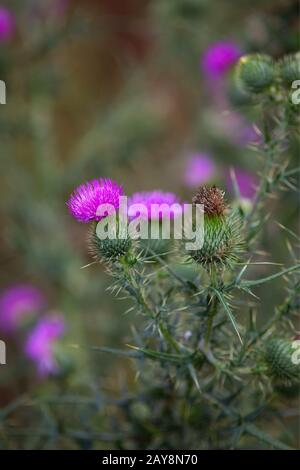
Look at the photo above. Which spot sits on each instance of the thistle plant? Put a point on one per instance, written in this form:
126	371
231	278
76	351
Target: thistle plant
206	367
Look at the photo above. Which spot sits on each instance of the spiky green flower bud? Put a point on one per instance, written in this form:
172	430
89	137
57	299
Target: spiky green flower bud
108	249
223	241
278	356
255	72
290	68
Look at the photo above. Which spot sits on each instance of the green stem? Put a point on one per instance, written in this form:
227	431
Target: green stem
212	304
272	149
168	338
213	308
134	289
262	436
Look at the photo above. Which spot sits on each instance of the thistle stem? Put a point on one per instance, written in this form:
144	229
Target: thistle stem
134	289
213	308
272	149
212	305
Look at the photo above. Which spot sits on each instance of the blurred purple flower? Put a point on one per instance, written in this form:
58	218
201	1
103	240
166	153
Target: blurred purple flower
7	24
246	181
219	58
248	135
87	198
17	302
41	341
148	198
238	130
200	168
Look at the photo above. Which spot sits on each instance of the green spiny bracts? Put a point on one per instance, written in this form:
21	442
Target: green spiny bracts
290	68
108	249
223	243
255	72
278	357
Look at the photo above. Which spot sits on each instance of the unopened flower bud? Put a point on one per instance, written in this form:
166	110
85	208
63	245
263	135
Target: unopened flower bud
290	68
222	242
255	72
278	356
108	249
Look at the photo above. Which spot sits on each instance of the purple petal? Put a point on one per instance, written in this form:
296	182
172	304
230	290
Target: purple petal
200	168
7	24
219	58
17	302
86	199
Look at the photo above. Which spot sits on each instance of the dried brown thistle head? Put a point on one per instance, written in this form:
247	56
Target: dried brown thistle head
212	200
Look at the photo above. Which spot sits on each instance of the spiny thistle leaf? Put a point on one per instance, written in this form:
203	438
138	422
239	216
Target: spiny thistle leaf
256	282
228	311
161	356
262	436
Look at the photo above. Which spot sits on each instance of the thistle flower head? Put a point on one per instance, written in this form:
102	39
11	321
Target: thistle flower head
200	168
290	68
17	303
255	72
278	357
88	197
109	249
212	198
7	24
41	341
150	198
219	58
223	242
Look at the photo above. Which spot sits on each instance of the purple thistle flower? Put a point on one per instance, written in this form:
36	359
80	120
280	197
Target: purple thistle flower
17	302
40	344
246	181
200	168
148	198
219	58
86	199
7	24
